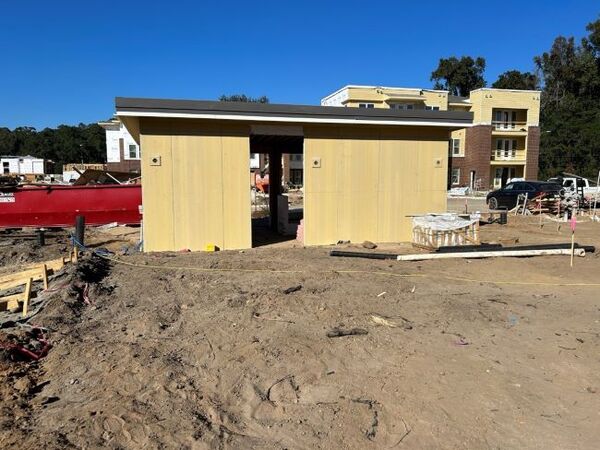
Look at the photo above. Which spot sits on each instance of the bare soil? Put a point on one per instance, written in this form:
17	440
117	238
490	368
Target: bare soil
230	350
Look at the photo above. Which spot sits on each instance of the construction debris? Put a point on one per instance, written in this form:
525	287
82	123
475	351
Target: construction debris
436	230
340	332
369	245
490	254
30	346
379	320
292	289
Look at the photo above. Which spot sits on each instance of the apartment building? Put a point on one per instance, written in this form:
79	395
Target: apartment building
292	167
501	144
122	152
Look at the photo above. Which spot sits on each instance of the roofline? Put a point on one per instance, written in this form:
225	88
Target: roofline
296	120
359	86
110	123
23	157
235	111
506	90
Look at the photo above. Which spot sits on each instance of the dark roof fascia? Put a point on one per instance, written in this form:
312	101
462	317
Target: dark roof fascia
147	106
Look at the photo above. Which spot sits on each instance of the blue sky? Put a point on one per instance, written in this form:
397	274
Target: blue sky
64	61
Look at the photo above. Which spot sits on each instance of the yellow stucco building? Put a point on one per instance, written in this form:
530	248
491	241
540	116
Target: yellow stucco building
501	144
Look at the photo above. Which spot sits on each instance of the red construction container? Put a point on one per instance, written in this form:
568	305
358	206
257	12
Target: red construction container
58	205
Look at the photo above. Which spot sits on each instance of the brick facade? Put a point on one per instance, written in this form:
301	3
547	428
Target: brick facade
533	153
478	148
127	165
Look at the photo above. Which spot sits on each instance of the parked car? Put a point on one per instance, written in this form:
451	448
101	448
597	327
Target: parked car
508	196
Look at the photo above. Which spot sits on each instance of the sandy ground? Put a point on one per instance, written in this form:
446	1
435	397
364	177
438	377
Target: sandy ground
187	350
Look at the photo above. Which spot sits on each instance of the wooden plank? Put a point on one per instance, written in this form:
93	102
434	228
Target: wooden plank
11	301
27	294
53	264
45	276
489	254
24	274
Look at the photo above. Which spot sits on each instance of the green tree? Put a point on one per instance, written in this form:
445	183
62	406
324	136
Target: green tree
514	79
570	115
243	98
64	144
459	76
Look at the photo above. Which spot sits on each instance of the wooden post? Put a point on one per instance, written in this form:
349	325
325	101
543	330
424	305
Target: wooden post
274	186
525	203
596	195
26	296
45	276
80	230
573	224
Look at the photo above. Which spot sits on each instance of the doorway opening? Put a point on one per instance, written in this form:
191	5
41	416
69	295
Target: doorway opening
504	175
277	195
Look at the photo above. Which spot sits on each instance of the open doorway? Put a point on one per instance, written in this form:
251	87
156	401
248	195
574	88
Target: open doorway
277	187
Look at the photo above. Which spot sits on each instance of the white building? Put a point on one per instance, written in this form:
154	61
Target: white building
122	152
24	165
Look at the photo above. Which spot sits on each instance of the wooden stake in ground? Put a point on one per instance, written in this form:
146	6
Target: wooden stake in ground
573	225
596	195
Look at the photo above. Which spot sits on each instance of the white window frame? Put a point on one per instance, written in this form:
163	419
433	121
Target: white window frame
432	108
455	147
366	105
131	147
506	149
455	173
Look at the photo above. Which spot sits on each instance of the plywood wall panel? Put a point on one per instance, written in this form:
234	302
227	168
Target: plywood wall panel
382	175
200	193
157	194
237	232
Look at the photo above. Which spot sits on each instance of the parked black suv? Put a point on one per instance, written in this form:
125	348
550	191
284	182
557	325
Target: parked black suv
508	196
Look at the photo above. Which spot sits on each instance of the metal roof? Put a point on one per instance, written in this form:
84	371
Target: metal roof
146	107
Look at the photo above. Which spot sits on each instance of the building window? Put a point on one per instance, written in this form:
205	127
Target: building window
5	167
133	154
505	120
455	147
432	108
402	106
506	149
296	176
366	105
455	179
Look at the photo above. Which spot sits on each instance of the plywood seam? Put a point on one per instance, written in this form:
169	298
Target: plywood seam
222	187
377	186
172	190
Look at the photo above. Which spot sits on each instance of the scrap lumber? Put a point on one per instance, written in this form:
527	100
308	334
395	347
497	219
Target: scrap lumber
490	254
475	251
498	247
12	301
26	277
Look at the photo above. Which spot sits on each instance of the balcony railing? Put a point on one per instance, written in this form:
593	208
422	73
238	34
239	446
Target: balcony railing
509	126
508	155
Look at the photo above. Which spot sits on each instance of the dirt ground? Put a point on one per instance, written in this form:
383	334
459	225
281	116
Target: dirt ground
230	350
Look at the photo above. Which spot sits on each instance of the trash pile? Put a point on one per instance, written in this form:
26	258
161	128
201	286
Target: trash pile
28	346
